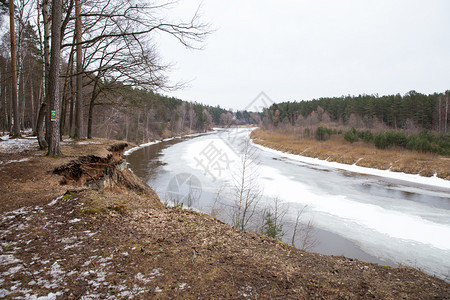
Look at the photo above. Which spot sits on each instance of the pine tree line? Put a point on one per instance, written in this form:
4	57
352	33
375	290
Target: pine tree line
410	111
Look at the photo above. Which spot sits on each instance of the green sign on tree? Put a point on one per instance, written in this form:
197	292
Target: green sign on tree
53	115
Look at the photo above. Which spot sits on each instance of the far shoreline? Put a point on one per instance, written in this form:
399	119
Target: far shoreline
416	179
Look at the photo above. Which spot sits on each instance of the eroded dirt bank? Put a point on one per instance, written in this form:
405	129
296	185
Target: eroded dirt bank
74	235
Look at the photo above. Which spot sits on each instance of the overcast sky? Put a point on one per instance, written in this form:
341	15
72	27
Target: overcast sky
300	50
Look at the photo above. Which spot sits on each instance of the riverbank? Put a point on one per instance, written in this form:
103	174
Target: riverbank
68	238
338	150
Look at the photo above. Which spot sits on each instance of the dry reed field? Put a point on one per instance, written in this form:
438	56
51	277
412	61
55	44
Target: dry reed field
337	149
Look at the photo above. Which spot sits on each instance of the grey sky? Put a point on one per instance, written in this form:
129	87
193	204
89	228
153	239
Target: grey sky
299	50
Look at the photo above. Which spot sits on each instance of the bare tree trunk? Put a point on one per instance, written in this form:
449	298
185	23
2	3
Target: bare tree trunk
72	104
40	126
46	17
90	118
38	104
65	102
296	225
126	128
33	113
43	117
91	108
79	102
136	126
146	128
294	232
54	148
21	79
247	191
439	114
16	128
446	112
3	96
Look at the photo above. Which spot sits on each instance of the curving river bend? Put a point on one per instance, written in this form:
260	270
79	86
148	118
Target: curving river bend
375	218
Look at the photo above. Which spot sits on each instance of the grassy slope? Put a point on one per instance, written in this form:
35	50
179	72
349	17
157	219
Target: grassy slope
116	242
366	155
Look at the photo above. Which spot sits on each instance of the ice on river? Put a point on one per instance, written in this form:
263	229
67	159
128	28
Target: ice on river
395	217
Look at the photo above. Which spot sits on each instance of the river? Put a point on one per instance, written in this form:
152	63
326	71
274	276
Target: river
384	217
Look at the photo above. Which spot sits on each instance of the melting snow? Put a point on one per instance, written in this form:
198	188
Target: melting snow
74	220
141	277
7	259
13	161
12	270
18	145
86	143
55	200
129	151
50	296
155	273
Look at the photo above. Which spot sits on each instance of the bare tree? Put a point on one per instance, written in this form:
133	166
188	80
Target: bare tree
247	192
304	232
12	34
114	47
446	110
45	52
117	46
79	78
217	201
54	148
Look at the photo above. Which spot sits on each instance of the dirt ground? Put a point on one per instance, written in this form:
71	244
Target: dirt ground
70	241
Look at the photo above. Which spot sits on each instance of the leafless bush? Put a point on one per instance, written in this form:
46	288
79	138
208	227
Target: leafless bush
304	234
247	192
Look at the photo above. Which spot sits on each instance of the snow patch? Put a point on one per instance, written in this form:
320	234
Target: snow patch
7	259
156	273
89	233
55	200
129	151
18	145
13	161
74	220
12	270
139	276
182	286
87	143
50	296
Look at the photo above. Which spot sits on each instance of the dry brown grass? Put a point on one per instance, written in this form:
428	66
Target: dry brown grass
337	149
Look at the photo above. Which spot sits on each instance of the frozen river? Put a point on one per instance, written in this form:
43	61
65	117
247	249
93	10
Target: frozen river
378	216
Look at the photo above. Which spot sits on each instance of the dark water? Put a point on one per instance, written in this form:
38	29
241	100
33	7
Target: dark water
145	162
